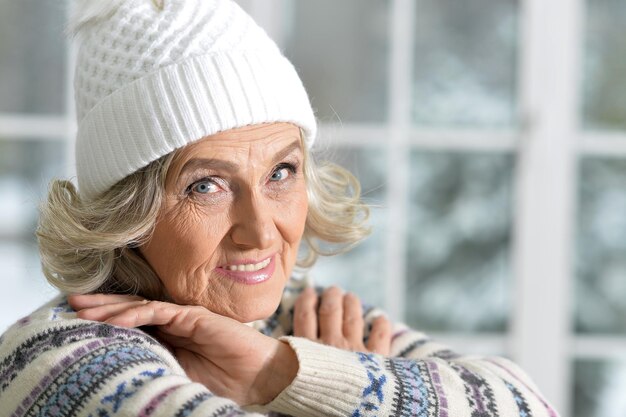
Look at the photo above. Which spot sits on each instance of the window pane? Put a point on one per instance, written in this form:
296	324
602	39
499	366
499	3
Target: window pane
465	62
459	235
605	66
601	244
26	166
362	269
340	50
32	56
599	387
24	287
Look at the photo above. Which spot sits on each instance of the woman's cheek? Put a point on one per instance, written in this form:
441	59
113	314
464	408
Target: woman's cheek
198	229
196	218
185	239
294	212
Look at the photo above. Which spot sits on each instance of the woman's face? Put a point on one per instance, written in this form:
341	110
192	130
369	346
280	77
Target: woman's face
233	216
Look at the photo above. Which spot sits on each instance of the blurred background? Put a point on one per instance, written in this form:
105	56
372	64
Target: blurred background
489	137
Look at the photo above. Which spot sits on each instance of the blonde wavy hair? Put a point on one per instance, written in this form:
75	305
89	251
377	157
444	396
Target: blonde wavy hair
91	246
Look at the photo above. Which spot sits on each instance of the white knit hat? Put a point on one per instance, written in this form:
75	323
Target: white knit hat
155	75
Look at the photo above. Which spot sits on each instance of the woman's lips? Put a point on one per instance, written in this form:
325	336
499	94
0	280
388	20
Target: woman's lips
250	272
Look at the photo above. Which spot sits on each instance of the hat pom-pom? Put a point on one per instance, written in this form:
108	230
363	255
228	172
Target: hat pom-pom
87	12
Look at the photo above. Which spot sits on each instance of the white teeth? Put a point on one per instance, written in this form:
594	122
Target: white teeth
249	267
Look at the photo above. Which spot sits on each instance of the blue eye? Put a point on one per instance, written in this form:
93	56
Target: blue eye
280	174
283	171
204	187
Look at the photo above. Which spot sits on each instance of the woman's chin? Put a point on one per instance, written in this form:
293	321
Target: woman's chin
254	313
250	303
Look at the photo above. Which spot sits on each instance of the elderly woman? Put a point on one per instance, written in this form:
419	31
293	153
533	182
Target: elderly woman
196	188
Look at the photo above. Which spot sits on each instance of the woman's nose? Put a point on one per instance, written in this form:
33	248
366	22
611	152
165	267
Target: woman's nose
253	223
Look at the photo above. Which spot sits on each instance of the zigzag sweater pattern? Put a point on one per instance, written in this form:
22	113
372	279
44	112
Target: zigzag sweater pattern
54	364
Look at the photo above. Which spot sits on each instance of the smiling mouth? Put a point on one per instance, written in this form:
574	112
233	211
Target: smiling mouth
248	267
250	273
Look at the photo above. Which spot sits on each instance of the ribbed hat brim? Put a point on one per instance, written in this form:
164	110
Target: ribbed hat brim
182	103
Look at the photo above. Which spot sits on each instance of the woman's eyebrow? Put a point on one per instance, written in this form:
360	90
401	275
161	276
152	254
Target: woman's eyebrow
218	164
286	151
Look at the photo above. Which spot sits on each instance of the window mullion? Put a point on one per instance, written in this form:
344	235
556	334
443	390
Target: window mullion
604	144
400	82
546	184
70	106
26	126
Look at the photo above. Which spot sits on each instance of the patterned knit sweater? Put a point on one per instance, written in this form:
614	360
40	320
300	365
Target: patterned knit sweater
53	364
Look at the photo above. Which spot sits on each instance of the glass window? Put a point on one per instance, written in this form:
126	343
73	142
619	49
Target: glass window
362	269
24	287
604	93
465	63
340	50
459	237
601	245
32	56
26	166
598	388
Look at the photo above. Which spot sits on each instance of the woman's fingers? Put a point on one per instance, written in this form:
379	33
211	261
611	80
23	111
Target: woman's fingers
339	319
352	319
305	315
187	322
152	313
106	311
380	336
331	317
82	301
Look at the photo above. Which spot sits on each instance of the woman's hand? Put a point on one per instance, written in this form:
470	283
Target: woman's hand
231	359
337	320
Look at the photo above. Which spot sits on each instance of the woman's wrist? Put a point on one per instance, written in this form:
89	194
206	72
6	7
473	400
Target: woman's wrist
277	375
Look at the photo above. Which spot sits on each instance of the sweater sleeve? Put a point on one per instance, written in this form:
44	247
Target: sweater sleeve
419	378
333	382
87	369
62	366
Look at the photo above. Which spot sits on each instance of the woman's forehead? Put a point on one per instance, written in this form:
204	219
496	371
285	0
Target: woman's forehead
260	135
263	141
